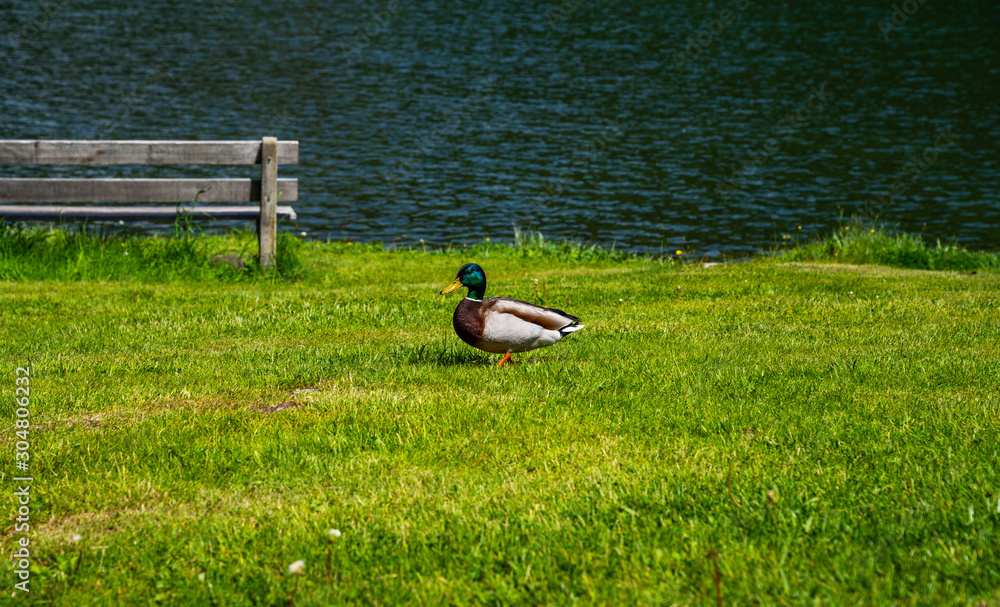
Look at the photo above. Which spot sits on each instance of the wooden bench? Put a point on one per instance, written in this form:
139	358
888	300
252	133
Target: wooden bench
265	191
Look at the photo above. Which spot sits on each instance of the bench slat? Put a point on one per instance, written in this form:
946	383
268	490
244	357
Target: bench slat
129	213
36	151
140	190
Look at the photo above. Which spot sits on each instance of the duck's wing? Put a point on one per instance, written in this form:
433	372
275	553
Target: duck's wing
548	318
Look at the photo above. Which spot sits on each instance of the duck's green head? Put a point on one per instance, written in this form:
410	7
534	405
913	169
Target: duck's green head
472	276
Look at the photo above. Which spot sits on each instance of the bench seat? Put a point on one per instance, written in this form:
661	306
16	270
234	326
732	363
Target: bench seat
130	213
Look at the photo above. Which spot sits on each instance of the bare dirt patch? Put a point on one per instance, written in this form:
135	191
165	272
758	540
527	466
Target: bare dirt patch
278	407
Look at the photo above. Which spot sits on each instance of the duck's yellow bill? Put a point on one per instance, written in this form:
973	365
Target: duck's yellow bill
454	285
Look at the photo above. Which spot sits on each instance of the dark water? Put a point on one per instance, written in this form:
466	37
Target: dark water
454	121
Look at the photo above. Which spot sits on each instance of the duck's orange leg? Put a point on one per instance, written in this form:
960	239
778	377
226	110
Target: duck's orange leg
503	361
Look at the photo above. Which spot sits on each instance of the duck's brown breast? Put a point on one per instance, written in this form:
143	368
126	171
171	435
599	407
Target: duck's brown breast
469	322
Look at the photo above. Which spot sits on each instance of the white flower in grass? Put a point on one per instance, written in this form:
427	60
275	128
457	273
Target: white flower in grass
333	533
297	568
77	538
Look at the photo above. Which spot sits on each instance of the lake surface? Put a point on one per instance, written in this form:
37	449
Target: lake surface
715	128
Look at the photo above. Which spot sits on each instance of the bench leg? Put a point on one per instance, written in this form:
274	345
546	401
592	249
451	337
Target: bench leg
267	224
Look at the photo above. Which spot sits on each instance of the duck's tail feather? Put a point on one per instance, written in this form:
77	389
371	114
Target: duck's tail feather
570	328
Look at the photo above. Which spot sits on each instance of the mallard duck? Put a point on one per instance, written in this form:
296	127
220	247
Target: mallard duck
501	324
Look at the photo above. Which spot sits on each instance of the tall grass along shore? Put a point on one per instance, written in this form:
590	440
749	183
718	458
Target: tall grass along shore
791	430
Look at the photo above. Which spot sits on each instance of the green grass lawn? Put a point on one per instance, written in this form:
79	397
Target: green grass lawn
829	431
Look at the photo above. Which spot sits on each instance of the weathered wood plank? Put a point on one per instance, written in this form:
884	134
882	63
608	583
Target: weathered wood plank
267	229
36	151
129	213
139	190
